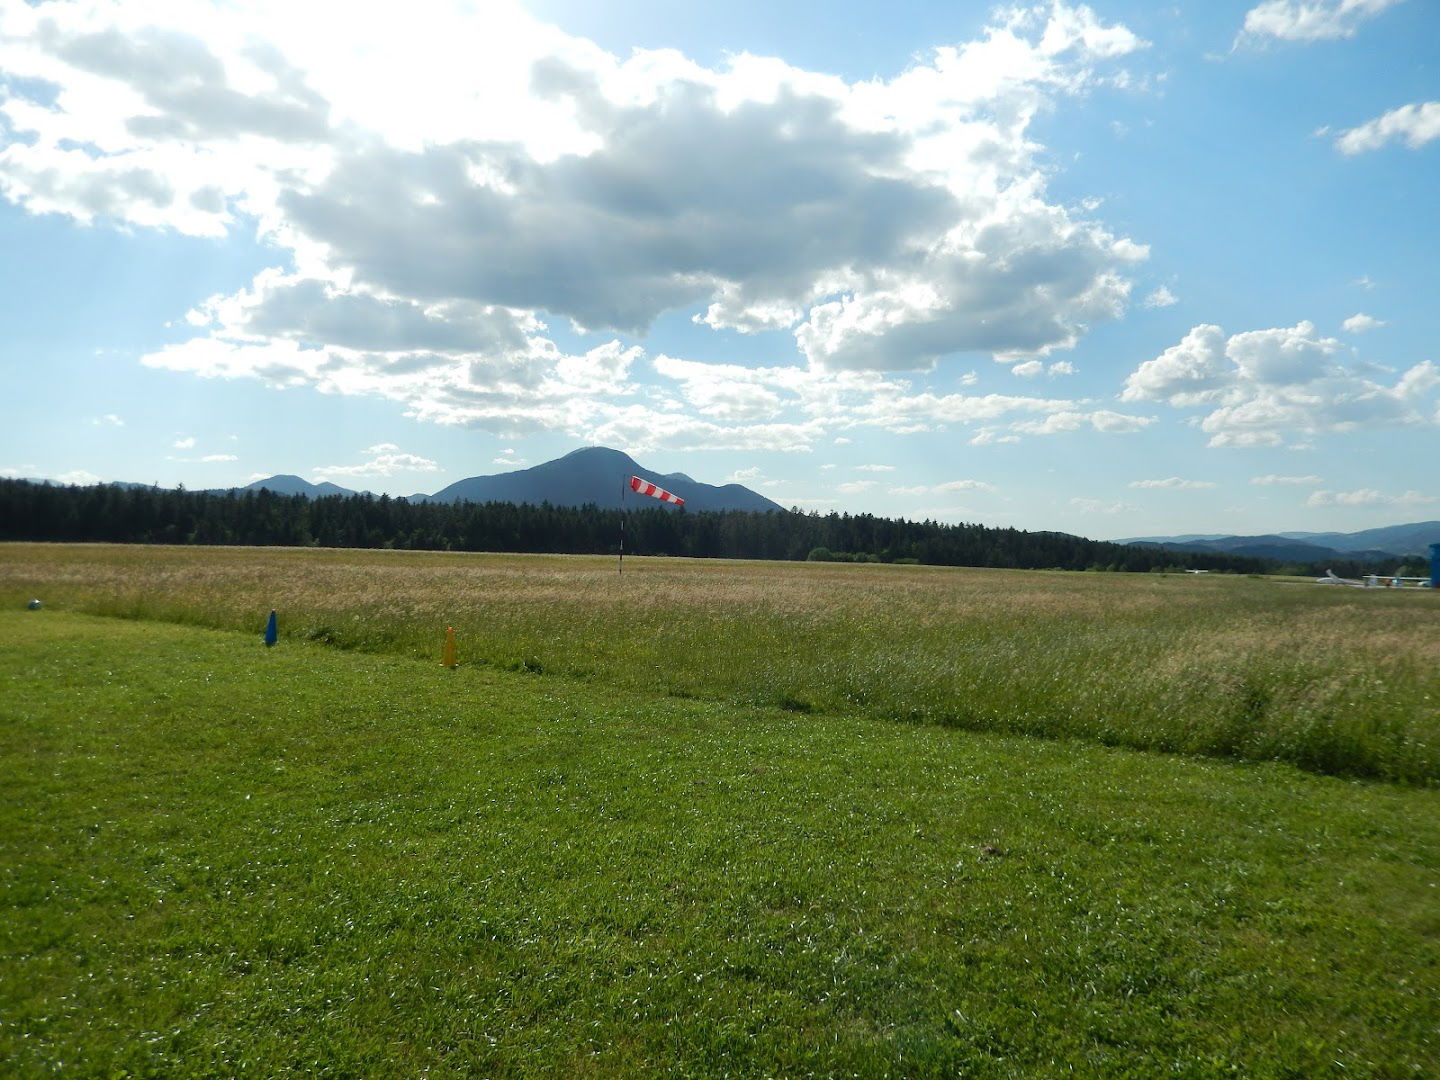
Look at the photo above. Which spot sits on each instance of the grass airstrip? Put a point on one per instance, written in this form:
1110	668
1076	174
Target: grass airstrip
709	819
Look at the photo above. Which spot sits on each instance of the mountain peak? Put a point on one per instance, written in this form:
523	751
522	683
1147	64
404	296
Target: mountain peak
598	475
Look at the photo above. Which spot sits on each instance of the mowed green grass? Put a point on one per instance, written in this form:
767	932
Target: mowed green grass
218	859
1338	681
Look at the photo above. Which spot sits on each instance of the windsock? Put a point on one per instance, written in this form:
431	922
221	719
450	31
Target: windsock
644	487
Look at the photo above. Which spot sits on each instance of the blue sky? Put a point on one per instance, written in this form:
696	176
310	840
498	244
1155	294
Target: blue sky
1117	269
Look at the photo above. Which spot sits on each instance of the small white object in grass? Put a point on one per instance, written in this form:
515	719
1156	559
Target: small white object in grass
34	605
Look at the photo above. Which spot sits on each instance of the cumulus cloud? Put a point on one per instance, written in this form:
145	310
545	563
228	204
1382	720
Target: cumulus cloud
1310	20
1162	297
210	459
1360	322
1414	125
428	234
1264	386
1369	497
186	443
383	460
1271	478
1174	483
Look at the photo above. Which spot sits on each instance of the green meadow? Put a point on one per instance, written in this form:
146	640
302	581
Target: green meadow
1338	681
709	819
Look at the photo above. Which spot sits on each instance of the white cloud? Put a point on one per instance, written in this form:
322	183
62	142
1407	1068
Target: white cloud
213	458
828	399
1266	386
1174	483
1113	423
79	477
1369	497
1100	506
384	459
1102	420
854	487
874	468
988	435
108	420
638	429
1360	322
187	443
963	485
1162	297
17	472
889	224
1273	479
1029	369
1310	20
1192	372
949	487
1415	125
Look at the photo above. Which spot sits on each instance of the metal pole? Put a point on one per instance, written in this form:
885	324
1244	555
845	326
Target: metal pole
621	567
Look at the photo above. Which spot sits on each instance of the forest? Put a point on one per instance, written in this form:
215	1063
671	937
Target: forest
126	514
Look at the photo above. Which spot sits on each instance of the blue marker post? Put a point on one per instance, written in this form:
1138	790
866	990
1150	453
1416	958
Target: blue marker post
272	632
1435	566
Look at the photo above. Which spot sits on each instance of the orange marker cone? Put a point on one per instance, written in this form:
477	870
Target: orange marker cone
448	657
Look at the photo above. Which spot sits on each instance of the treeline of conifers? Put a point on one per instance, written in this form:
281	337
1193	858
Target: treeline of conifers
111	513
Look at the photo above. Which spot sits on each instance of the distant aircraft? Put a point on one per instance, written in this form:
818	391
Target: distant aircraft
1374	581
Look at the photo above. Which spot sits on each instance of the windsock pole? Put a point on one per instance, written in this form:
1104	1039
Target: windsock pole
621	567
447	658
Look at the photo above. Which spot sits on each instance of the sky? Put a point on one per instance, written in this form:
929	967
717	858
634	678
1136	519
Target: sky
1116	269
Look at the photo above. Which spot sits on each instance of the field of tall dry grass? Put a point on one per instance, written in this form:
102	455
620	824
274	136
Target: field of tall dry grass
1337	681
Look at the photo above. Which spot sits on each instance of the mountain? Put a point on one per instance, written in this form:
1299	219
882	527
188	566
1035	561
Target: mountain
1368	545
285	484
1184	538
596	474
1266	547
1413	539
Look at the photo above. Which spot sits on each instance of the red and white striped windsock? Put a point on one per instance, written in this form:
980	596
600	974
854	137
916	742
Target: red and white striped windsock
644	487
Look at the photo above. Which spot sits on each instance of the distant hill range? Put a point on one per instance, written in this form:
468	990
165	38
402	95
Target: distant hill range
595	474
1392	541
285	484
